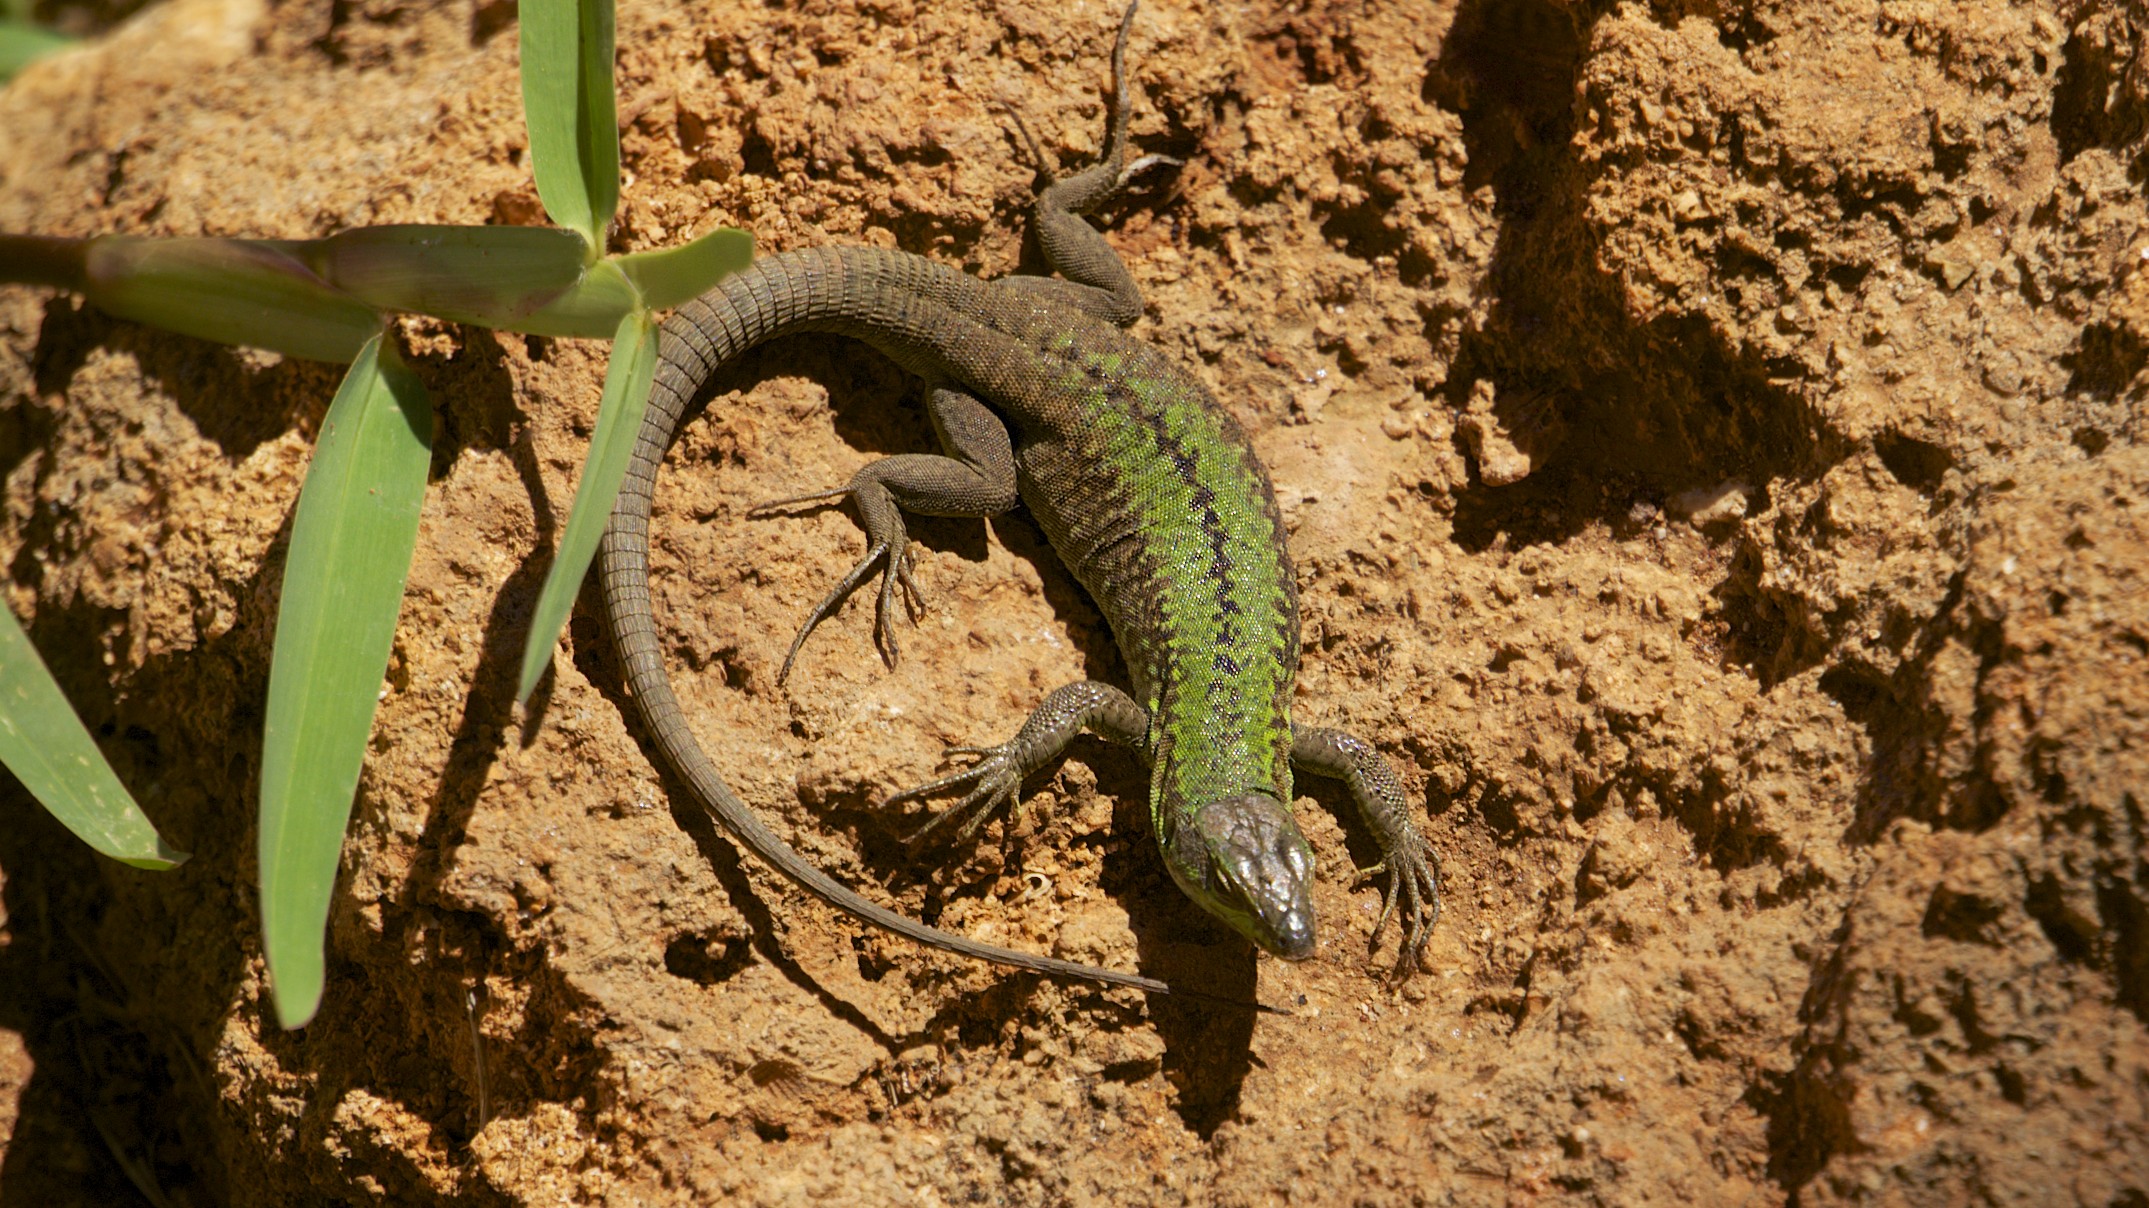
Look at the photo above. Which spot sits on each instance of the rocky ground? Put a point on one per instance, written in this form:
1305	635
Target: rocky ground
1712	438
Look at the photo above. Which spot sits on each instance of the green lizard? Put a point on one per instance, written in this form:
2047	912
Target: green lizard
1147	490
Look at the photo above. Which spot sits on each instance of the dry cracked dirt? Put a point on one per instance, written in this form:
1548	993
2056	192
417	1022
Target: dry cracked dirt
1712	437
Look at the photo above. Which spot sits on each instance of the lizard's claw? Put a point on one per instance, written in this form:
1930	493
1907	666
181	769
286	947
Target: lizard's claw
1414	885
883	623
889	549
896	575
994	778
769	506
913	599
1144	164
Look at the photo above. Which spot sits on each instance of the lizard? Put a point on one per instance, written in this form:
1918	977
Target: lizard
1147	490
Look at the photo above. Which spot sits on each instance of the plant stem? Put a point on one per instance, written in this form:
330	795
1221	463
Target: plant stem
43	260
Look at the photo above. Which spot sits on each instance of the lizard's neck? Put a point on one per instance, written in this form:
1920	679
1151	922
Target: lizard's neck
1218	735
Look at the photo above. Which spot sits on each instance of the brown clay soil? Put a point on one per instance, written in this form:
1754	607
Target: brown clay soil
1713	442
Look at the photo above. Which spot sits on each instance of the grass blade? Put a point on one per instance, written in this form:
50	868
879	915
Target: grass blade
567	103
619	423
351	543
592	307
667	278
233	291
49	750
21	44
528	279
483	275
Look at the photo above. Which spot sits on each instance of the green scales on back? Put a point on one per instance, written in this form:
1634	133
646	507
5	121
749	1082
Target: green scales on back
1145	487
1187	558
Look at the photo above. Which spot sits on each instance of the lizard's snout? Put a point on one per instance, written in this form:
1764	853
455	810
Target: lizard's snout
1292	933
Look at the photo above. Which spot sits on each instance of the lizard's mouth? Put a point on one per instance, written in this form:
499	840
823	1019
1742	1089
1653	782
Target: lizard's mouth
1252	867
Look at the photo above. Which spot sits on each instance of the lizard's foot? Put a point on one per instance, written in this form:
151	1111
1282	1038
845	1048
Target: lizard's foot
1144	164
1413	885
889	547
1121	178
995	777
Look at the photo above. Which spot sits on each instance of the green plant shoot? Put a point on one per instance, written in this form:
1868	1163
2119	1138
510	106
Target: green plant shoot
355	529
619	421
567	105
50	751
21	43
352	537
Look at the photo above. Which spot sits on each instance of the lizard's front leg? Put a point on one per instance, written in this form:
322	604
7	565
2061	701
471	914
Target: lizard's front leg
976	477
1413	871
998	774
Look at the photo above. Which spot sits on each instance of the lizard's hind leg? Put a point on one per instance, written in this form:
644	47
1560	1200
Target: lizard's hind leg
976	477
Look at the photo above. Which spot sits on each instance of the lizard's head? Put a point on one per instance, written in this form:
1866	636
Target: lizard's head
1245	861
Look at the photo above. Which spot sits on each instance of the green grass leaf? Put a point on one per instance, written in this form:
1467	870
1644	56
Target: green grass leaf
567	104
233	291
591	308
490	276
619	424
20	44
529	279
671	276
323	298
49	750
351	542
